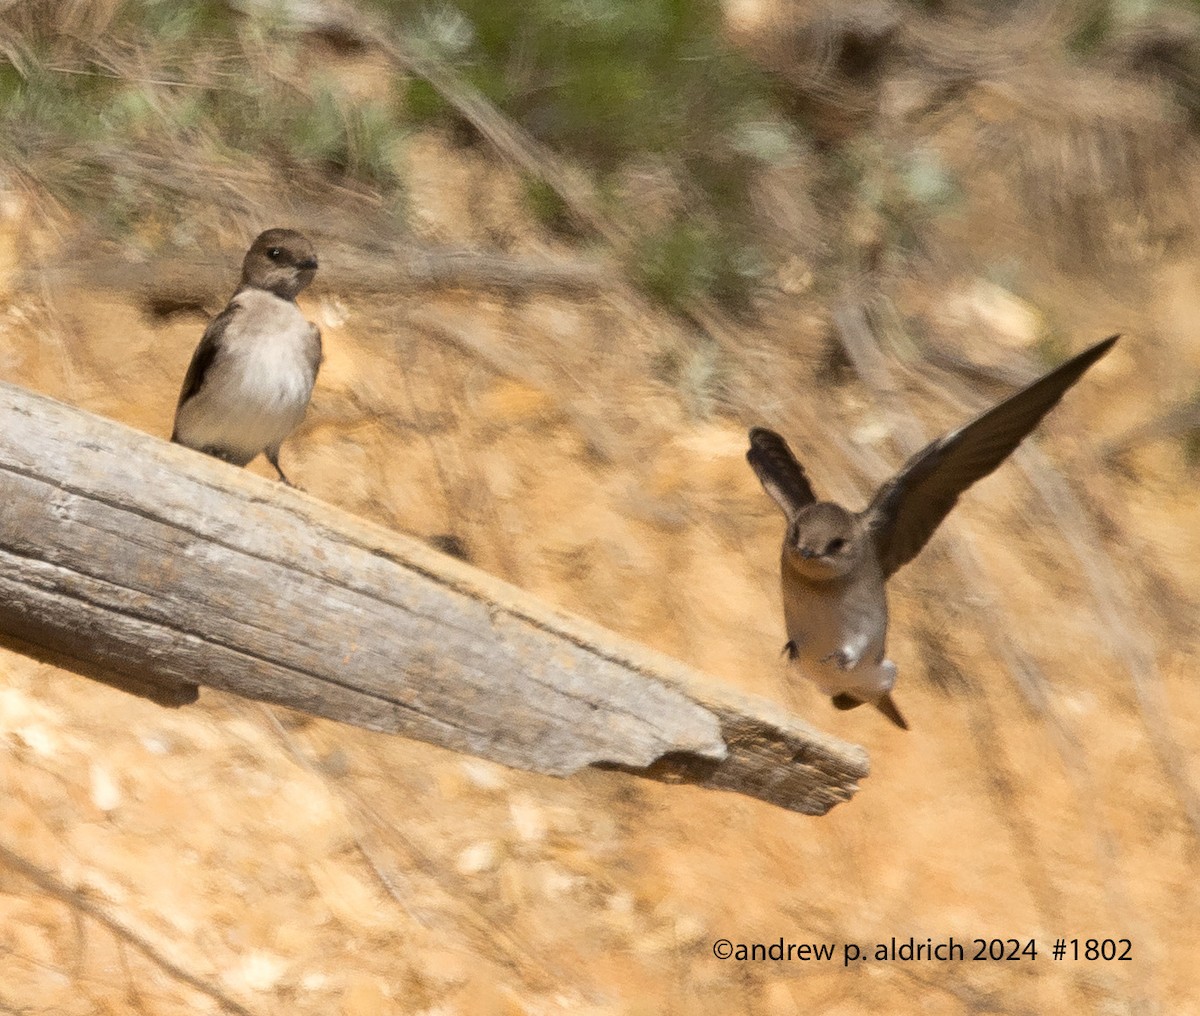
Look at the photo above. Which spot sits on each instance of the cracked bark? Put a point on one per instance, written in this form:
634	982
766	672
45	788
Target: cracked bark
158	570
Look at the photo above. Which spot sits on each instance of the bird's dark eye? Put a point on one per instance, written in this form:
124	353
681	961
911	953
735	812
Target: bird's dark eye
834	546
274	253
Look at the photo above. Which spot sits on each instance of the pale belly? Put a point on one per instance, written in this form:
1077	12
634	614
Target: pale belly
250	404
824	619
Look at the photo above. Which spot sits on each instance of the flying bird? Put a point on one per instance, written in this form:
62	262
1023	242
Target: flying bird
252	375
835	563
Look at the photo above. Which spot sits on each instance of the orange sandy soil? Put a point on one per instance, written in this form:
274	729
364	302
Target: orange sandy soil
301	866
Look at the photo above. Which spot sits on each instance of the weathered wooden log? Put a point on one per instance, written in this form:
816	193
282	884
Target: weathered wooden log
157	569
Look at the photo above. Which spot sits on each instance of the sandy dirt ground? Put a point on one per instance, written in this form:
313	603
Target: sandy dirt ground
300	866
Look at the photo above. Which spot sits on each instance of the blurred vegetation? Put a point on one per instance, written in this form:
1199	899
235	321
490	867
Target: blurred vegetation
610	84
87	114
126	109
603	84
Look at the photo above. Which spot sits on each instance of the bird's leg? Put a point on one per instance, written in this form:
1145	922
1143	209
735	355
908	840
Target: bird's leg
272	455
847	657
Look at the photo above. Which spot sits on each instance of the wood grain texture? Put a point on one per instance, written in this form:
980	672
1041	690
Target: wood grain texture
157	569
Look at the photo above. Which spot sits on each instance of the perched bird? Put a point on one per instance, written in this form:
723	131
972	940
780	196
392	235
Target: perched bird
835	562
252	375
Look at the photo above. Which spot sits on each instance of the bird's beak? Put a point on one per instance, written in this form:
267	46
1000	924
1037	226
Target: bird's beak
308	264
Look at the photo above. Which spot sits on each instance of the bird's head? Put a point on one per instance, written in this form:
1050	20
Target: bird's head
281	261
823	542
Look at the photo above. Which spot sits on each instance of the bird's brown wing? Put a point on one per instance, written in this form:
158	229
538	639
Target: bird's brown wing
779	472
911	505
205	355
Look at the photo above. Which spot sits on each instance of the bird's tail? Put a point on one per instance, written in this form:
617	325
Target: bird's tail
886	706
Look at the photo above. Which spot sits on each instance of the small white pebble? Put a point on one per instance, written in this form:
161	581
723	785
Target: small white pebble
156	743
314	980
528	820
258	971
557	882
621	902
106	795
871	433
478	857
38	739
484	775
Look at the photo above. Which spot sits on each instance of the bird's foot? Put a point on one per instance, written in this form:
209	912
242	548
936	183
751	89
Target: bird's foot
283	476
845	658
272	455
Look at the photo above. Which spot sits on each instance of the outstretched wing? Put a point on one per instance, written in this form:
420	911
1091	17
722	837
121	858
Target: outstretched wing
778	471
911	505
